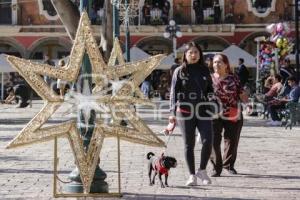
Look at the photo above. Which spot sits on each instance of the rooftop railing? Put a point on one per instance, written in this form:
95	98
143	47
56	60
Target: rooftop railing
183	15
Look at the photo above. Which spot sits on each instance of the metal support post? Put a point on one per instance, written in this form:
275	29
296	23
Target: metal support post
174	47
127	35
116	24
297	38
85	80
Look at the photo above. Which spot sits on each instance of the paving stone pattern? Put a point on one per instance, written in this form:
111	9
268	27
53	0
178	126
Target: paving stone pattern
268	162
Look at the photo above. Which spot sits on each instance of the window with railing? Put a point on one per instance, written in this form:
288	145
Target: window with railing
49	8
261	5
262	8
155	12
5	12
208	10
199	12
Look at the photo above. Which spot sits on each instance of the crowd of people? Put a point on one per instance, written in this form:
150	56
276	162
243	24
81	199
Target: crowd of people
207	100
199	11
156	12
279	89
19	93
16	91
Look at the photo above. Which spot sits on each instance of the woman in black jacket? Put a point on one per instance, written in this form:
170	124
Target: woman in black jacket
191	83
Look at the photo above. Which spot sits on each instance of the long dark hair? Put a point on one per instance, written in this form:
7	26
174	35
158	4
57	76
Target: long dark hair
188	47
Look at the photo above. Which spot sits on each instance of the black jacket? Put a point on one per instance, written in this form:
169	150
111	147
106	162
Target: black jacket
190	87
243	74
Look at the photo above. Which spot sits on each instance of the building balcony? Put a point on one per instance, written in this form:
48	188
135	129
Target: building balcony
142	30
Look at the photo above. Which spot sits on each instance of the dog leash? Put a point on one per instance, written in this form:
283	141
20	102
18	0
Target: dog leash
168	132
167	140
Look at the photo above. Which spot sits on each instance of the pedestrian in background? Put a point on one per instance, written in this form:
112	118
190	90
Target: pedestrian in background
229	93
243	72
217	12
209	63
198	8
174	66
191	83
280	103
286	70
61	84
146	86
48	61
18	94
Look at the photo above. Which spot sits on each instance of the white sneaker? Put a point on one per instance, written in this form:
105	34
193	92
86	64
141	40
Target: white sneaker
192	181
198	137
201	174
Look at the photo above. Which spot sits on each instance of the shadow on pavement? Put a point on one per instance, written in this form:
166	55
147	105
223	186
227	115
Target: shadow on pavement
31	171
259	188
24	121
269	176
164	120
6	138
167	197
20	158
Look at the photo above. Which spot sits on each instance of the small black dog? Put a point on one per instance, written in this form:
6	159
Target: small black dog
160	165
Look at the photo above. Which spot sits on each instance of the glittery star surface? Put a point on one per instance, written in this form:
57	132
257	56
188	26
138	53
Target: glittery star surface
137	132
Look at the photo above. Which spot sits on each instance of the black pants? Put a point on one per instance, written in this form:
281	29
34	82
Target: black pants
232	132
273	109
188	126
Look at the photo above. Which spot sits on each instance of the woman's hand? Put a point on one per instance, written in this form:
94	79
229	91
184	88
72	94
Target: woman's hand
171	126
172	119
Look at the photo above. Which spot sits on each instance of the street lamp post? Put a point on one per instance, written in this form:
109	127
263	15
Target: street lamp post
297	38
116	26
127	31
98	184
258	40
173	31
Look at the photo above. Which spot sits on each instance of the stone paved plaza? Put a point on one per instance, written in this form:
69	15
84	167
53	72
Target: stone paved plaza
268	162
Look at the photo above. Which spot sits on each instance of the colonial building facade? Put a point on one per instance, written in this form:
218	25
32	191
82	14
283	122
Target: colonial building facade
31	28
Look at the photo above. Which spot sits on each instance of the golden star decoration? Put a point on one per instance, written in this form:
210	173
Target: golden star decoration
84	42
129	87
117	58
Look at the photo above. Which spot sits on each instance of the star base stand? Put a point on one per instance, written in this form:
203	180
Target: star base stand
99	187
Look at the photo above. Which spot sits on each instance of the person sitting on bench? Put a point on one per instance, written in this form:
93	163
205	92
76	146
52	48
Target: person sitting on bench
277	104
19	94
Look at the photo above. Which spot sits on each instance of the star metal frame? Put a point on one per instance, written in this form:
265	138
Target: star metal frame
84	42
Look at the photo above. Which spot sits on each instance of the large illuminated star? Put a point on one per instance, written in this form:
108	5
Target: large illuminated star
127	87
116	59
84	42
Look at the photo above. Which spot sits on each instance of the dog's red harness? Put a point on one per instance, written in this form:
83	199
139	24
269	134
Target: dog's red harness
158	167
